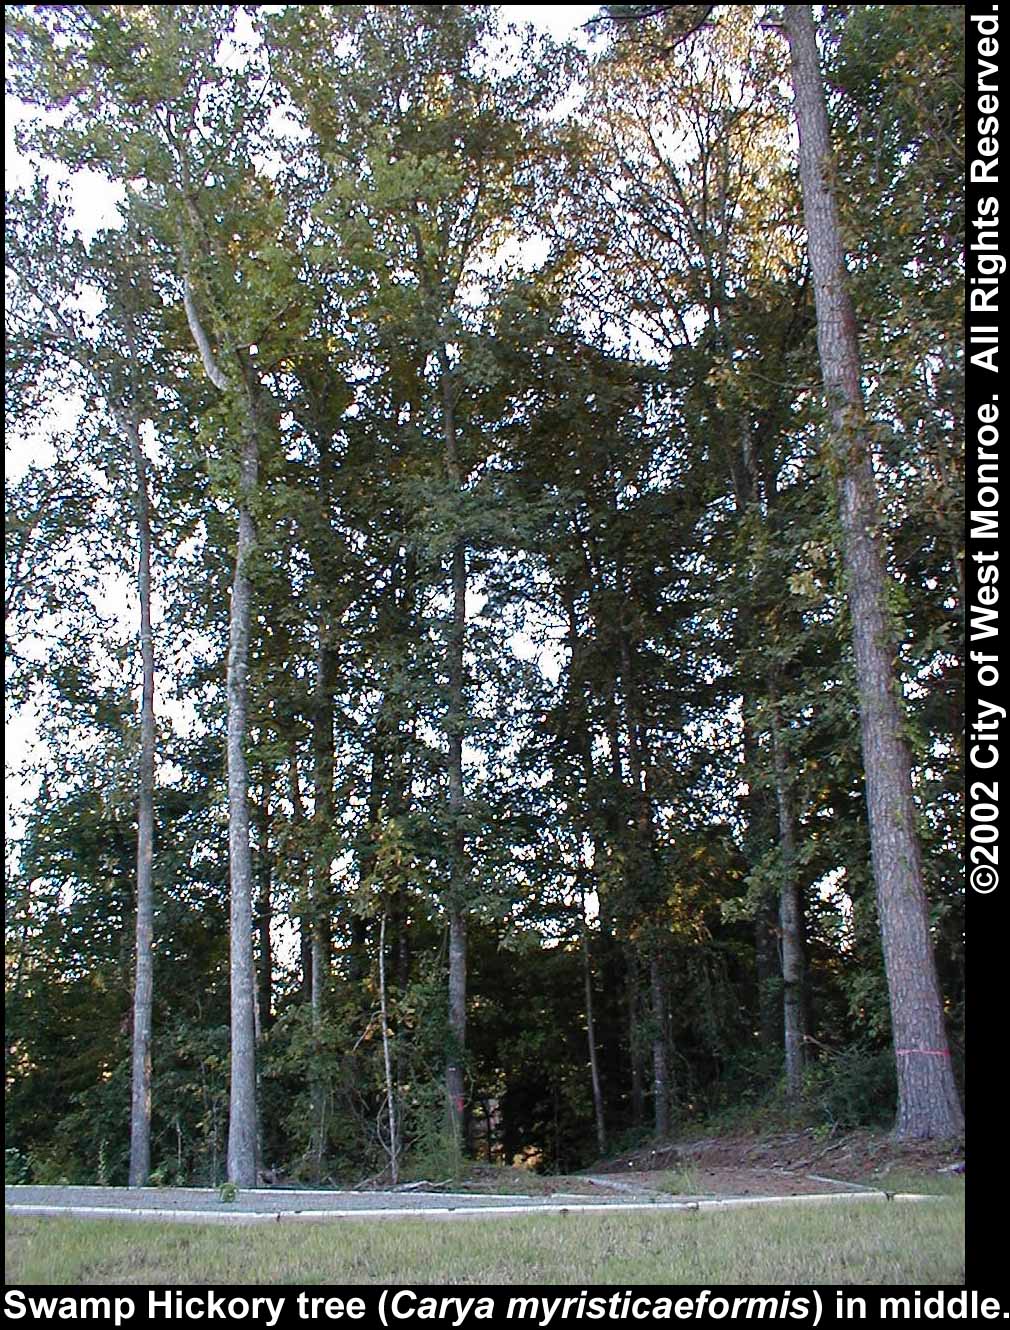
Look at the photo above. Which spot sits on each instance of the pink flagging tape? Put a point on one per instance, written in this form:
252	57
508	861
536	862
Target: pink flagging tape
926	1052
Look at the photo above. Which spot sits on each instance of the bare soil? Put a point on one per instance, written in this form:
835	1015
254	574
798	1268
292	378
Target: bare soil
797	1163
786	1163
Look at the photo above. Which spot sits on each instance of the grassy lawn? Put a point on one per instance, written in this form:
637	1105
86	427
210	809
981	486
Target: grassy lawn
873	1242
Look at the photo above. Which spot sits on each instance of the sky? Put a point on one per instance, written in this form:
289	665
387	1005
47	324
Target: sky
561	20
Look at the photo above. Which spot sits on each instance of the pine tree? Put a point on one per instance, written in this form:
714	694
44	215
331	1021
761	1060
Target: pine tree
928	1103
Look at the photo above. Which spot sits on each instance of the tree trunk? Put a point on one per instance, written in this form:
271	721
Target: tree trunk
242	1133
791	941
242	1102
928	1103
319	882
457	885
634	1040
394	1150
644	863
264	903
660	1062
455	1090
759	836
580	721
322	826
454	1084
300	875
759	839
143	992
594	1066
322	743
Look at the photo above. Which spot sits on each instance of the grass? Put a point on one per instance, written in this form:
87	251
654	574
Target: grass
682	1181
898	1180
872	1242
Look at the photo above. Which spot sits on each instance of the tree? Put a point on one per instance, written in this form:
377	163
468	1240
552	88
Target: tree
689	188
113	356
928	1102
192	138
421	201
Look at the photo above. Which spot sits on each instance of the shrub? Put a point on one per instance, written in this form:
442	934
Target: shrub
17	1168
853	1087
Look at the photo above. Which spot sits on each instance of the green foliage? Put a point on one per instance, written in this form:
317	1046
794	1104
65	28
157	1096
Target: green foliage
17	1167
747	1092
853	1087
433	1153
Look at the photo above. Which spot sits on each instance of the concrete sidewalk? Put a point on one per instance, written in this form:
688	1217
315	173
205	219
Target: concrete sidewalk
272	1205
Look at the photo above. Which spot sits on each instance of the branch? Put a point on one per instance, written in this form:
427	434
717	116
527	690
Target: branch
210	365
689	20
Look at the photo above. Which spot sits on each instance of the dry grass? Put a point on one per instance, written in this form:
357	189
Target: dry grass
872	1242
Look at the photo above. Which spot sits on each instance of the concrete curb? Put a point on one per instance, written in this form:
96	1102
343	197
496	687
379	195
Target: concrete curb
447	1212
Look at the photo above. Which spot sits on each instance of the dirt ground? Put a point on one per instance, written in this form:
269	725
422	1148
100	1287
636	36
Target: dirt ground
798	1163
789	1163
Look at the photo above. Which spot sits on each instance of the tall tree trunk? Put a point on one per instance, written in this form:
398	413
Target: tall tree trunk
660	1061
759	839
457	903
264	902
580	720
394	1145
242	1133
454	1083
301	875
594	1062
644	862
242	1102
634	1038
143	992
791	939
747	491
928	1104
319	880
322	747
322	819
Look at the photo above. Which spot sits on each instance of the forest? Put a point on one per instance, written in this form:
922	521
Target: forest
484	587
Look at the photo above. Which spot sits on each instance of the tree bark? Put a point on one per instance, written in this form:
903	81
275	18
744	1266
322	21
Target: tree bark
242	1127
242	1103
634	1039
394	1145
319	881
928	1104
454	1082
579	720
301	875
660	1061
791	941
322	745
264	903
143	992
594	1063
644	862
